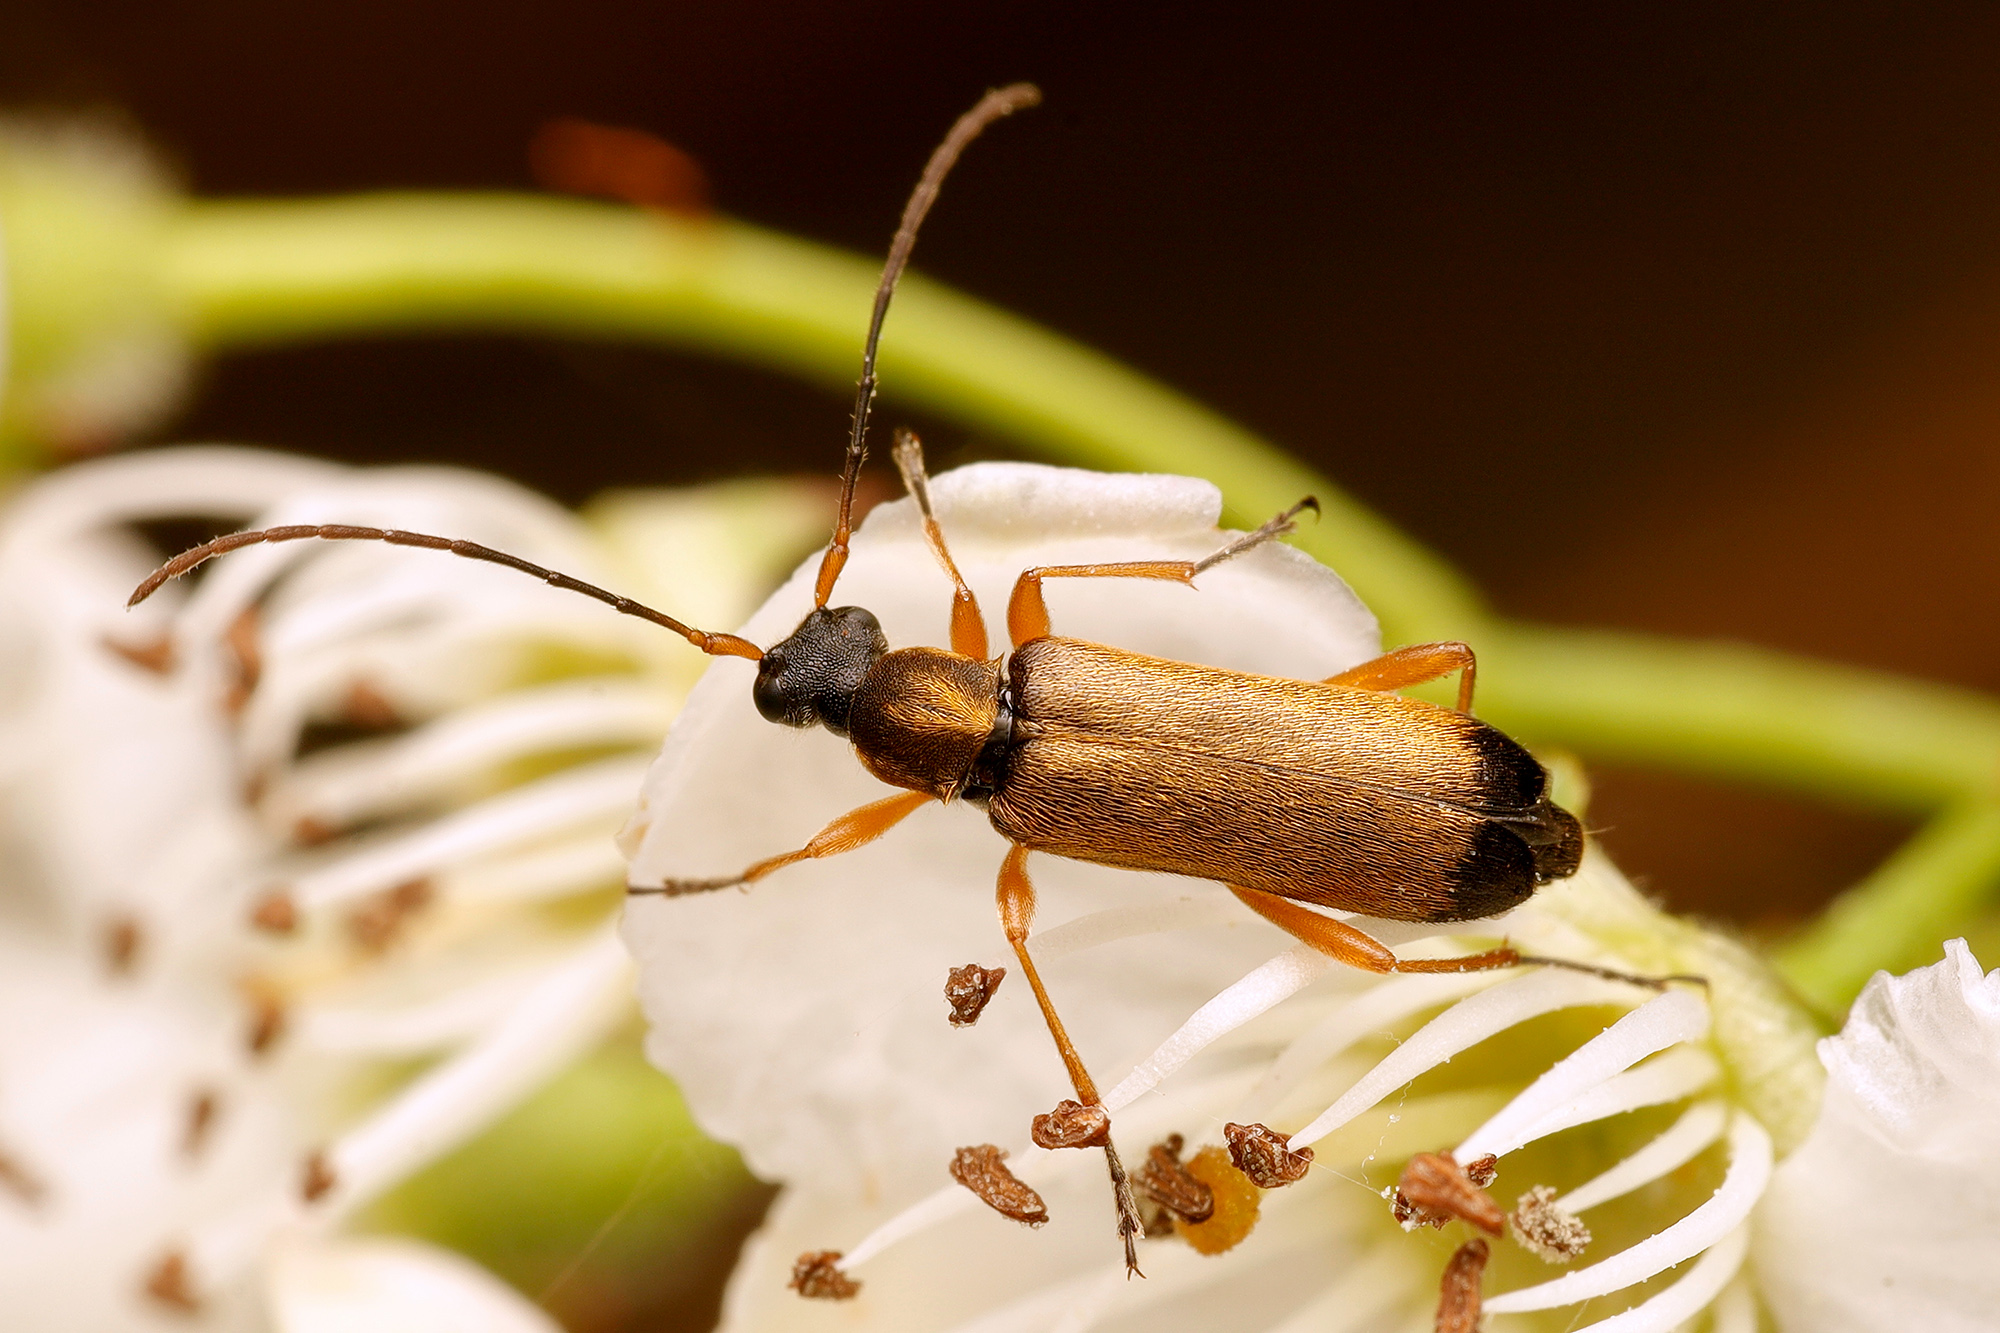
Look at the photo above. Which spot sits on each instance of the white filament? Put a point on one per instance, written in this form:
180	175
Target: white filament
1702	1124
344	786
1465	1024
1366	1014
1735	1309
1272	983
549	1025
589	791
1749	1172
1664	1021
1678	1073
1687	1297
588	859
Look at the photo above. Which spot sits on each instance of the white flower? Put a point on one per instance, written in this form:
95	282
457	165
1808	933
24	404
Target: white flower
805	1021
1888	1216
226	931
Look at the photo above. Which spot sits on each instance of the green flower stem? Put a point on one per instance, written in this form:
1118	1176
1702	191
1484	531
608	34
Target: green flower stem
1854	735
248	273
1936	882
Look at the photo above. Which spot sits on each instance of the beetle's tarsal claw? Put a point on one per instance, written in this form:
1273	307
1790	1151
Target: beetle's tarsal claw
680	888
1131	1225
1613	974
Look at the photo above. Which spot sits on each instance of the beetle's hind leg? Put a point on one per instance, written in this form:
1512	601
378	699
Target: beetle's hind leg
1016	896
968	626
856	828
1345	944
1028	611
1415	665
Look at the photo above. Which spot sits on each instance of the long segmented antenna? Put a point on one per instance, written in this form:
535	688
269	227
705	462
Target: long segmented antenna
715	645
1000	102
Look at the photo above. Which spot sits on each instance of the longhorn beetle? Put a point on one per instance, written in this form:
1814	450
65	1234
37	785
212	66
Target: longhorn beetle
1296	794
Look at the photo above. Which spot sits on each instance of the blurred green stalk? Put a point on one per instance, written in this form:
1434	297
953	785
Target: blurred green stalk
256	273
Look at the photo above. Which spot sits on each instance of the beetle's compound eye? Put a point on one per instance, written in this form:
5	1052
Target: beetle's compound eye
812	676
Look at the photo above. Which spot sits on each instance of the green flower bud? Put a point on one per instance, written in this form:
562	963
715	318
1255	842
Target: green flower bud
91	351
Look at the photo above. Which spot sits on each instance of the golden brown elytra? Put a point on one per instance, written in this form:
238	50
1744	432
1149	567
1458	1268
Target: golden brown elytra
1296	794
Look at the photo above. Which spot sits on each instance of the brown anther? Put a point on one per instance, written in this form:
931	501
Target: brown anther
168	1284
275	912
1072	1125
267	1014
969	989
246	658
1458	1292
1166	1182
123	939
202	1108
317	1178
1483	1171
1156	1222
1545	1228
154	655
1435	1189
983	1170
311	831
19	1181
366	707
1259	1152
816	1276
375	924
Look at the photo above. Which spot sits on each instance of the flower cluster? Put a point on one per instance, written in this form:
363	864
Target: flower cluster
1637	1131
306	873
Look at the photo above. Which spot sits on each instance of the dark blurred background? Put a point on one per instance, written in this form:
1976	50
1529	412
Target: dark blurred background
1677	317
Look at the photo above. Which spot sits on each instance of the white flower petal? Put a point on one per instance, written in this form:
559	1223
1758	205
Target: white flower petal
821	987
392	1286
1364	1295
1885	1217
95	1086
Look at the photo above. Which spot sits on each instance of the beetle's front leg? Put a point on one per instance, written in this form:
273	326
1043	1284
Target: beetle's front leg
856	828
1415	665
1016	897
968	627
1028	613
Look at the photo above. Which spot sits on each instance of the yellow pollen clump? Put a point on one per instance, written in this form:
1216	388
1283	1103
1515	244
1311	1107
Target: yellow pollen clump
1236	1201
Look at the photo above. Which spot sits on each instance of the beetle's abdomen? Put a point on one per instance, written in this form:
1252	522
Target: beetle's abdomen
1346	798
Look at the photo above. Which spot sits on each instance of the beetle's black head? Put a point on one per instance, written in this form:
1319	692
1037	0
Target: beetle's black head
812	676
